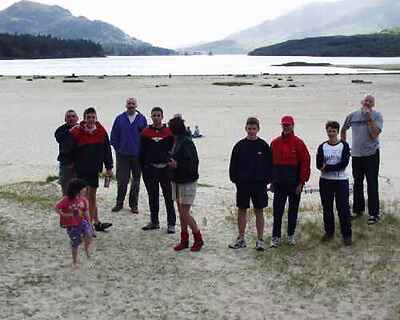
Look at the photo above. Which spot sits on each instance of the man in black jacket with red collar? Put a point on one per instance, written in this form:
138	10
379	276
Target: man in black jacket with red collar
156	144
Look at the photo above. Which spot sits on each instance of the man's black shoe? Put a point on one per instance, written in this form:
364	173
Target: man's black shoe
151	226
347	242
373	220
101	227
327	237
117	208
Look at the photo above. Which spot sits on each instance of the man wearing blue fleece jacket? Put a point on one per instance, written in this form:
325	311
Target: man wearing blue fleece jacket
125	138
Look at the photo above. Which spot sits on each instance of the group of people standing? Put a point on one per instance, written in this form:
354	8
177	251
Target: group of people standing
166	157
285	167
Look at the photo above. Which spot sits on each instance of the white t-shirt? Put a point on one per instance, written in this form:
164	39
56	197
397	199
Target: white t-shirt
132	117
335	158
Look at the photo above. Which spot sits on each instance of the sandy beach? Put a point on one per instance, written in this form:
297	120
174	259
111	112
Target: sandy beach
137	275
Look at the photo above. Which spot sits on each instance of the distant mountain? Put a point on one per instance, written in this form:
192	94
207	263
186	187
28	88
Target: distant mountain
27	17
373	45
391	31
345	17
217	47
26	46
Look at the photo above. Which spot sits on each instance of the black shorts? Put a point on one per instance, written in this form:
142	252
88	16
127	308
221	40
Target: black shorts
257	192
91	179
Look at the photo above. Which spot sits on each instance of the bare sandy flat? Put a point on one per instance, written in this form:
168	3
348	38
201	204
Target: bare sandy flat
136	275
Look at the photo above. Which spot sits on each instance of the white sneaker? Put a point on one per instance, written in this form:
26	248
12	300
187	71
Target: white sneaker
238	244
291	240
260	245
275	242
171	229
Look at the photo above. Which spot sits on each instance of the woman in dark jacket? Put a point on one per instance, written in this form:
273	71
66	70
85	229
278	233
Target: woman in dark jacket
184	164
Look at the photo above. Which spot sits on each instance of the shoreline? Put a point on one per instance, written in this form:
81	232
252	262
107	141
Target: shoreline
238	75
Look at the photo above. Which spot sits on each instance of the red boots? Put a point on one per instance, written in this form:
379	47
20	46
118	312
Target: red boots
198	242
184	244
184	241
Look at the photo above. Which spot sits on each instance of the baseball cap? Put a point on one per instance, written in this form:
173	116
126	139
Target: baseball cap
287	120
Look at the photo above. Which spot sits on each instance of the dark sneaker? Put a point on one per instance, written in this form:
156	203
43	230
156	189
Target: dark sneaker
373	220
347	242
238	243
106	225
101	227
171	229
327	237
134	210
151	226
117	208
356	215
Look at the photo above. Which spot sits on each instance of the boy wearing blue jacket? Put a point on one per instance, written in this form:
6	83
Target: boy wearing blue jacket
250	170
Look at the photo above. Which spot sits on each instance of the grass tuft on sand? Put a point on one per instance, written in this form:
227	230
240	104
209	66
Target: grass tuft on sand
51	178
41	194
204	185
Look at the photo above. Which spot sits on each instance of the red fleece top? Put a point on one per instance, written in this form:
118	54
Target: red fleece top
289	150
83	137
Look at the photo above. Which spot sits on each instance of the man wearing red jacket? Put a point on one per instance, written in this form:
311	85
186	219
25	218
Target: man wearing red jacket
91	152
291	170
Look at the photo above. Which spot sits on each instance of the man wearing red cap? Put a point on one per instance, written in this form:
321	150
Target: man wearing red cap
291	170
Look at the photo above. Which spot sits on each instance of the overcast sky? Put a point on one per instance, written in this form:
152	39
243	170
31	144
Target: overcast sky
174	23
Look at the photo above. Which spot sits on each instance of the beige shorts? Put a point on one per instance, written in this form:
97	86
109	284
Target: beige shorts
184	193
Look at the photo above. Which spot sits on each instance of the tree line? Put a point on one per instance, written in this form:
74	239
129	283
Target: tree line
25	46
372	45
